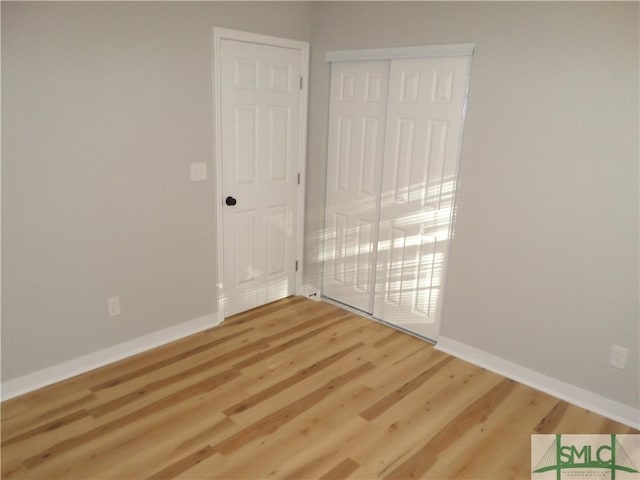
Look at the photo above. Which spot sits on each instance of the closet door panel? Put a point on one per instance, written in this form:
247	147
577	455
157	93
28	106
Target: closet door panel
424	127
356	141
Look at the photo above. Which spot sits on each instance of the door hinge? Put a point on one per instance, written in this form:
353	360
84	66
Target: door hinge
298	178
296	265
301	82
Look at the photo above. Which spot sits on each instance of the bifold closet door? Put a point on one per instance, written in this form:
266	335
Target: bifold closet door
356	144
424	128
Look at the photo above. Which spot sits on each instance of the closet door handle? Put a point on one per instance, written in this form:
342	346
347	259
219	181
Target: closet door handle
230	201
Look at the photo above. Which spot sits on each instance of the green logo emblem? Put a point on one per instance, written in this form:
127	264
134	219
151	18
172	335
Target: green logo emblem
583	456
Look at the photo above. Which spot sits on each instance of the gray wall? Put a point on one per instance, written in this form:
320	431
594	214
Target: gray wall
104	105
544	265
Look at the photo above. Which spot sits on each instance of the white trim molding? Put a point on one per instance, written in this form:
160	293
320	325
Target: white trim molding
217	36
450	50
76	366
583	398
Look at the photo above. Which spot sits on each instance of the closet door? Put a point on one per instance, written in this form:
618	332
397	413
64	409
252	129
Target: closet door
356	143
424	128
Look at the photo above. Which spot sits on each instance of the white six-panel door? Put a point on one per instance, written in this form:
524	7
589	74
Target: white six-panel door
391	183
426	105
356	141
260	120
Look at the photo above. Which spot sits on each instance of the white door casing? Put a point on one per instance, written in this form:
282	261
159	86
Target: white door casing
260	126
425	118
356	141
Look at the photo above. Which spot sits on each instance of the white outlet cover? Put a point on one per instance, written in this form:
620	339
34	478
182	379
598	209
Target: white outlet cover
618	357
113	306
198	171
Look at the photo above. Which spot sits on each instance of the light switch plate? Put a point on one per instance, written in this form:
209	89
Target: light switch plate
198	171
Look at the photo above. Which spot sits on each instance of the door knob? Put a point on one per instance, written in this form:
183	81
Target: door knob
230	201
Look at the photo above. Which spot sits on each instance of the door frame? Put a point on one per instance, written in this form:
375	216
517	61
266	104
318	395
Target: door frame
218	35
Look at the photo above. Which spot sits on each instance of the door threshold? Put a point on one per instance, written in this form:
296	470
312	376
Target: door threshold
368	316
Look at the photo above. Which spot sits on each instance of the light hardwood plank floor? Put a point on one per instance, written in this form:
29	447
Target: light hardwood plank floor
294	389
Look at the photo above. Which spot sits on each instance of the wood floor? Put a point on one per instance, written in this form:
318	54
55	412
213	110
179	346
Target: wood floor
295	389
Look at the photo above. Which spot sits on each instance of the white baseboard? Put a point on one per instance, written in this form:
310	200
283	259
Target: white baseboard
583	398
76	366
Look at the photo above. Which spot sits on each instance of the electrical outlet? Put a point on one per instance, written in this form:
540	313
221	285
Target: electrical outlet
113	306
198	171
618	357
